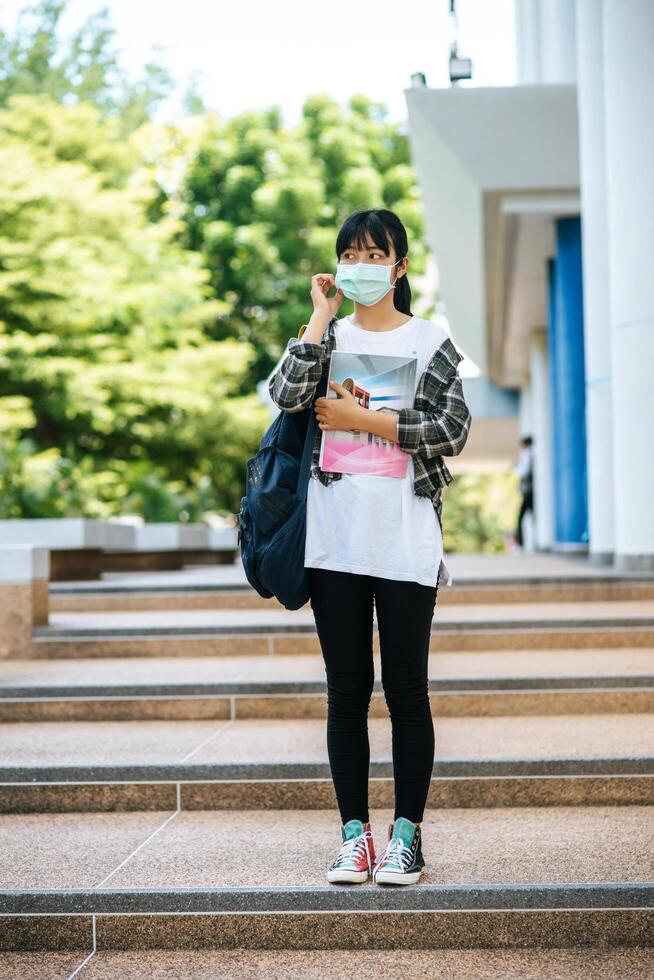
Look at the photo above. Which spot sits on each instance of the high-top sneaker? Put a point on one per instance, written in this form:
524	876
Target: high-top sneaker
402	862
355	860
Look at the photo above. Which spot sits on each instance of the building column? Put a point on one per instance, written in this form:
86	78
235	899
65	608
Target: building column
557	33
629	96
566	350
526	410
527	31
542	449
545	42
597	333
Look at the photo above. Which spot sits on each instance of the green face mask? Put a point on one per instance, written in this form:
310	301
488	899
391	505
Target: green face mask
364	282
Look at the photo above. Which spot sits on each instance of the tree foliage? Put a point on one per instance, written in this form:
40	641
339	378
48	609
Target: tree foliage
151	275
108	376
35	61
480	511
263	204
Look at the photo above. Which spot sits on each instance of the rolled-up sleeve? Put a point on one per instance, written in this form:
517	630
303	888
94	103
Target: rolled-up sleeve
293	384
441	427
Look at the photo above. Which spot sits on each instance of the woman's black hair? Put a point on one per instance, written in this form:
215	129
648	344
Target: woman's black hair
381	226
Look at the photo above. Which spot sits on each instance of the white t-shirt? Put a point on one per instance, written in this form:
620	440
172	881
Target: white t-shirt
377	525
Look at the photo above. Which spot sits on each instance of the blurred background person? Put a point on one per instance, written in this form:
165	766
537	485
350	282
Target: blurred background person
525	471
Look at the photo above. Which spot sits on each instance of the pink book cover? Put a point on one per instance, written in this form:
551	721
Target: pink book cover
378	382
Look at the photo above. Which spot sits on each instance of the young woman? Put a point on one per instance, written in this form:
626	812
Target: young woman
376	541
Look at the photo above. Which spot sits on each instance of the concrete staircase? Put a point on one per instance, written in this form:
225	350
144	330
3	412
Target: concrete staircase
164	786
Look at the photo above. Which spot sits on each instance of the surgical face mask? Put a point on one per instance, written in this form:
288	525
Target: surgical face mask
364	282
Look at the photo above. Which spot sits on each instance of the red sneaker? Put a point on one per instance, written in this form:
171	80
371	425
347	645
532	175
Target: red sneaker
356	858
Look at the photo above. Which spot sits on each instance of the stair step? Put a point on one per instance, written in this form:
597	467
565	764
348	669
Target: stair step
263	632
595	666
290	898
388	931
254	763
104	598
242	705
294	701
477	578
218	857
291	644
222	621
472	569
316	964
294	687
157	871
492	685
302	741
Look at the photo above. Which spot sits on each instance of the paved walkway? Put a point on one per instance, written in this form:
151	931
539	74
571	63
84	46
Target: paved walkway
276	618
464	568
165	784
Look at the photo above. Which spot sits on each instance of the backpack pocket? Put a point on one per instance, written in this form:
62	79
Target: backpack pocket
272	477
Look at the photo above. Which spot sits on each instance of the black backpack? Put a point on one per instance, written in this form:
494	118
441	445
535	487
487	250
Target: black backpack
272	516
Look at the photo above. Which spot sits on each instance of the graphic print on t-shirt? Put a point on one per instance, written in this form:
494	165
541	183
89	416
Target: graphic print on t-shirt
379	382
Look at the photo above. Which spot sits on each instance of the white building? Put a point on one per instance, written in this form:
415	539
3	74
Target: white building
539	202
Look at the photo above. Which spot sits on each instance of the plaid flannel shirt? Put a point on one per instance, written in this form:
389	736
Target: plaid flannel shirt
435	427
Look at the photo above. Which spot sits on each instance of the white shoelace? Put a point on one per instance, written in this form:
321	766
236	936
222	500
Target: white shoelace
396	848
353	849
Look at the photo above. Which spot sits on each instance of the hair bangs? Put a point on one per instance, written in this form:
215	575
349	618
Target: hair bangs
359	227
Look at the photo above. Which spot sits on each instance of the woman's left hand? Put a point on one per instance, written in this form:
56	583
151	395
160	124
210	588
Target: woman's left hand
343	412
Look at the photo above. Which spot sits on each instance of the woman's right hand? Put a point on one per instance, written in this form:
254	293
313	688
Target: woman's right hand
323	304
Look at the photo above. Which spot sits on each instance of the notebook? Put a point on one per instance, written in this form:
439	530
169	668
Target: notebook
378	382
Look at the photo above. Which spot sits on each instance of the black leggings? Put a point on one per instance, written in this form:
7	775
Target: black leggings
342	604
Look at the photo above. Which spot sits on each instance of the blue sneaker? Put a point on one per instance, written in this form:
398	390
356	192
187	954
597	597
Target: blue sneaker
402	862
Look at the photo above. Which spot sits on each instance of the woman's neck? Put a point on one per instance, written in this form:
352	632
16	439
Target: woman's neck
382	316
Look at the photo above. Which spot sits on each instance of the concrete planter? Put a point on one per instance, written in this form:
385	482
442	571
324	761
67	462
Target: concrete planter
223	540
172	537
68	534
75	544
24	574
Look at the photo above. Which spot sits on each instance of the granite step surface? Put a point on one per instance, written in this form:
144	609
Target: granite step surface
294	687
631	963
290	849
109	597
251	632
479	617
156	871
478	570
290	742
486	667
256	763
264	702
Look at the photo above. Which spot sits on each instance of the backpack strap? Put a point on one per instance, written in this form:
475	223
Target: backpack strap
310	436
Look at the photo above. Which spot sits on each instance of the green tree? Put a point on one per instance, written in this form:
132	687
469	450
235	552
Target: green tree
479	511
85	69
151	275
104	357
263	203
